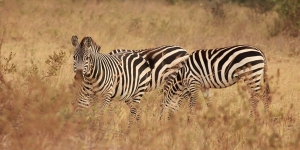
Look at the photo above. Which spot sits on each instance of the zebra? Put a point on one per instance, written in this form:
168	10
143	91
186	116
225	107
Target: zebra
123	75
164	61
78	62
219	68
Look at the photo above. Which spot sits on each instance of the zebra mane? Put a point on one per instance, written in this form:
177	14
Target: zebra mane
82	43
94	45
140	50
132	50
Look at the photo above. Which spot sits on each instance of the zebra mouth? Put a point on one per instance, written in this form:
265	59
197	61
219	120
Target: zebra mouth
78	76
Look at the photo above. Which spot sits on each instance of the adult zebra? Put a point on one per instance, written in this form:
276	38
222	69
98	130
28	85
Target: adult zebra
220	68
164	61
124	75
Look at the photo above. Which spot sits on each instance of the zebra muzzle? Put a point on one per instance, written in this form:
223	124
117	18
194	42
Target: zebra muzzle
78	76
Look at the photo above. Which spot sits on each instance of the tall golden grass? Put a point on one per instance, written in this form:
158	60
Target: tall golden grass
35	101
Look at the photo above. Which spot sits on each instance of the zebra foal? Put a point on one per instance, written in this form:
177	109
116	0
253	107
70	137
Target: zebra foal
123	75
220	68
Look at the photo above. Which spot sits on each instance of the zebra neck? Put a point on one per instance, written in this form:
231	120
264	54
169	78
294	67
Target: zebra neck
96	68
102	66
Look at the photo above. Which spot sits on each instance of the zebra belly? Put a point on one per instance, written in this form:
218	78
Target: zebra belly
229	83
114	94
209	83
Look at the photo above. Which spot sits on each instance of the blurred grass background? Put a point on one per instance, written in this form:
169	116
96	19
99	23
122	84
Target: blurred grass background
37	69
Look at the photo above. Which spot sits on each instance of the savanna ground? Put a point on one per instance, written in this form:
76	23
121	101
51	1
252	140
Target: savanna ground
37	71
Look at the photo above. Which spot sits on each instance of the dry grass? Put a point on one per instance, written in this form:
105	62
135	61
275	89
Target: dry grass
35	113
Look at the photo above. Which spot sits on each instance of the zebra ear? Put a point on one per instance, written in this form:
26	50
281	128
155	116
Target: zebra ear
89	41
74	40
98	49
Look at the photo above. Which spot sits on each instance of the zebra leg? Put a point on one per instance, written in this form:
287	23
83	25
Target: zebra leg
174	103
253	84
170	89
163	104
267	93
133	106
184	94
83	99
92	99
171	108
254	101
194	95
170	112
177	105
207	96
161	112
106	101
266	100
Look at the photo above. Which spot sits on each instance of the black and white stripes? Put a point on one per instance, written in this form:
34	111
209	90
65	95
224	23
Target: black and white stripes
163	60
220	68
123	75
127	74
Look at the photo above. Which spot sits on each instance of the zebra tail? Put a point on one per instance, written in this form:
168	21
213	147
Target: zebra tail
266	81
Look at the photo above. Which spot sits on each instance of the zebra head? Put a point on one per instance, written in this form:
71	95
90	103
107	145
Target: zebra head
78	54
90	47
78	58
79	50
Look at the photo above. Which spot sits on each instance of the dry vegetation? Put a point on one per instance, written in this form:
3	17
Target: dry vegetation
36	71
